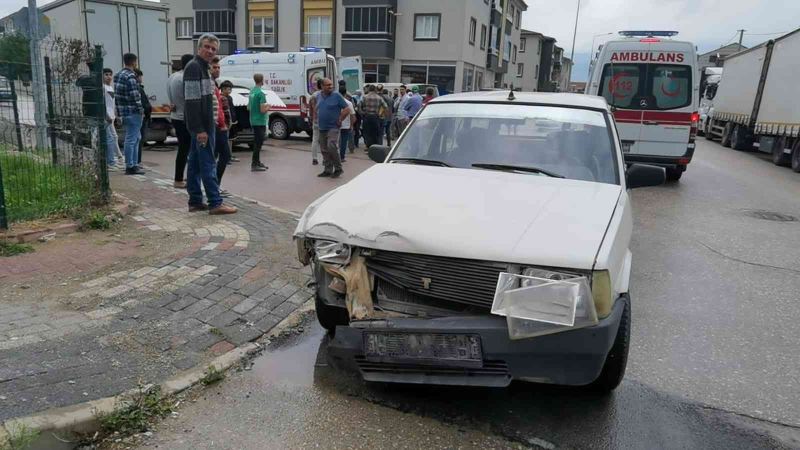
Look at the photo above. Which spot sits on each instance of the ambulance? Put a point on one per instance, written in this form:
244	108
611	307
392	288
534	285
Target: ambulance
291	75
650	81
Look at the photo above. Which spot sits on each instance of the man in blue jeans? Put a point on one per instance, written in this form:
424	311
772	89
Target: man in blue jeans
200	114
130	109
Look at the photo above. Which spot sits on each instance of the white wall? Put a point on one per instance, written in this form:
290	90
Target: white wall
179	47
530	59
67	21
289	18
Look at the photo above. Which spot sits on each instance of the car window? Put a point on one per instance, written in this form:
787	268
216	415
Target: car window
647	86
573	143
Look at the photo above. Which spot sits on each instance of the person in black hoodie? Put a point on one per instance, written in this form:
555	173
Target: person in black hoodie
200	115
148	110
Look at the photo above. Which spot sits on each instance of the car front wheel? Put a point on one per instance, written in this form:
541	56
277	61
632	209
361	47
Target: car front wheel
330	316
614	368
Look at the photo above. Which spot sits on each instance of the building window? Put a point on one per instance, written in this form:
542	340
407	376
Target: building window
467	80
473	25
522	43
514	55
184	27
262	32
517	19
483	37
219	22
444	77
374	19
318	32
427	27
375	73
507	52
520	70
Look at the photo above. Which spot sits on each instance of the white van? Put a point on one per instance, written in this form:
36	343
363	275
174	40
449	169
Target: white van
650	82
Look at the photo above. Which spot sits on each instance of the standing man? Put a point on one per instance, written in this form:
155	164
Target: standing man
370	111
112	147
400	114
429	93
332	110
345	131
413	104
175	94
148	111
227	87
387	115
222	151
312	105
259	108
200	114
129	108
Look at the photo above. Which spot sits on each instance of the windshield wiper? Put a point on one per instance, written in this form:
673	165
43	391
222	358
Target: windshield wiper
424	162
511	168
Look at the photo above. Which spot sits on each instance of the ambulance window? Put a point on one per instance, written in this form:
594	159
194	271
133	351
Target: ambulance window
312	76
671	86
620	84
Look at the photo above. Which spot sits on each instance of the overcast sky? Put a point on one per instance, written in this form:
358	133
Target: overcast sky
707	23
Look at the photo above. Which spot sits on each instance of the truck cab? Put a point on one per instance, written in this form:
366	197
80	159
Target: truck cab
649	81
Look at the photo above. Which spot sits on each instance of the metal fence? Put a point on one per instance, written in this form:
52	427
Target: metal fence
56	164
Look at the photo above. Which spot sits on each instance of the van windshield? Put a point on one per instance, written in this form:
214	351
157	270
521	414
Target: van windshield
647	86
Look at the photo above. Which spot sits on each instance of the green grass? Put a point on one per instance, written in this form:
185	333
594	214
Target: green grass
20	437
97	220
212	375
12	248
35	188
136	414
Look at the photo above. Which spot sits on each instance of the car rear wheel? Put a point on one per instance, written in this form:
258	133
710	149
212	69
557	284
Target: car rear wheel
278	128
330	316
674	174
614	368
796	156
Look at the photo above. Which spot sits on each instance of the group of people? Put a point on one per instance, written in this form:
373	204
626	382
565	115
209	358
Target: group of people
349	118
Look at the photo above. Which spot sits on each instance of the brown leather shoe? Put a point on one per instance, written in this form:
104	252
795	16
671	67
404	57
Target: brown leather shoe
200	207
179	185
222	209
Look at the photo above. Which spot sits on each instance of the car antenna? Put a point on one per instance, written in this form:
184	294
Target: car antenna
511	94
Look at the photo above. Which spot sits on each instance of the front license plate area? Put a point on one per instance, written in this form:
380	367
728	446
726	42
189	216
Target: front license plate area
435	349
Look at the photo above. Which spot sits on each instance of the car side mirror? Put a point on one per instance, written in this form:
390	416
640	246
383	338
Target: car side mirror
643	175
378	153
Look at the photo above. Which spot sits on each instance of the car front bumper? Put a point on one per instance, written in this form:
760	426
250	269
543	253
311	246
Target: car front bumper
573	357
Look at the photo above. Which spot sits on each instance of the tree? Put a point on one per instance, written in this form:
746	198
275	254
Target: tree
15	56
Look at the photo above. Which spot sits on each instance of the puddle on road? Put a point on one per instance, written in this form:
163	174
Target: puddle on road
294	362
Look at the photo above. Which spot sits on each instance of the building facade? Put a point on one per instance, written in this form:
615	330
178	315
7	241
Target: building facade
528	60
716	58
547	64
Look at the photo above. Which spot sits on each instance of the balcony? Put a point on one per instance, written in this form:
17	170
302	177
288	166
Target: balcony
261	40
319	40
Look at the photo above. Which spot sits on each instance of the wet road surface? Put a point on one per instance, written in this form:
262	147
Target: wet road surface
715	285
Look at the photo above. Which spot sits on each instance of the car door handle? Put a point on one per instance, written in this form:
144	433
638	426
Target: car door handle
650	122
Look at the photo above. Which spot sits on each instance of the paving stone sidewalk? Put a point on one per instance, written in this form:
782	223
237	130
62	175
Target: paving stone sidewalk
237	277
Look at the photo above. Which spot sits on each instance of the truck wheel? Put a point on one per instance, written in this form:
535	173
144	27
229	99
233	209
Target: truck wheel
279	128
330	316
739	138
614	368
779	158
674	174
725	141
707	133
796	156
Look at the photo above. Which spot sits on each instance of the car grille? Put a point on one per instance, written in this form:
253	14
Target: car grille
493	373
462	281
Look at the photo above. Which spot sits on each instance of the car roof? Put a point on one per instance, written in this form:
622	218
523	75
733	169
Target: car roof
543	98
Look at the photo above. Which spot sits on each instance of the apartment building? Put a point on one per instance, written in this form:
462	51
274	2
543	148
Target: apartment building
529	58
289	25
192	18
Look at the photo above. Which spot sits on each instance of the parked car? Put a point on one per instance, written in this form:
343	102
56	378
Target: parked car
485	248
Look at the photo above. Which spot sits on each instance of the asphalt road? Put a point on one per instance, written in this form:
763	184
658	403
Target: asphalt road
713	360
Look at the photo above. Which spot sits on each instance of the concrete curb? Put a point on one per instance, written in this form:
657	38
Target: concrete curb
59	428
121	207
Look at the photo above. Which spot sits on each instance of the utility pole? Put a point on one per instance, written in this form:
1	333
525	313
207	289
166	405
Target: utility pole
741	35
38	82
574	34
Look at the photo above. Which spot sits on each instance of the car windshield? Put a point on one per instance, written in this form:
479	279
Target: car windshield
533	140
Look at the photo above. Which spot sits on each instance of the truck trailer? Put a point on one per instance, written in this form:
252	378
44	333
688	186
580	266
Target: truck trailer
123	26
757	101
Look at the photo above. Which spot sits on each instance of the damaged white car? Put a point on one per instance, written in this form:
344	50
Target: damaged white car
490	245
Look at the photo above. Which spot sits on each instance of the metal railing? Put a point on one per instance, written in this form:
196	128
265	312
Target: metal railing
320	40
59	165
261	40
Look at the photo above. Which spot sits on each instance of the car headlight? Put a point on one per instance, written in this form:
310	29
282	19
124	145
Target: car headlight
601	292
332	252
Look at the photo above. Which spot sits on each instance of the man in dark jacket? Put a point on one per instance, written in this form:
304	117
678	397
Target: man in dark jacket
148	111
200	116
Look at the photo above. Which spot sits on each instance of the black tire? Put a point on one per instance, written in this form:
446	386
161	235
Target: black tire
674	174
796	156
279	129
614	368
330	316
725	141
779	158
708	134
739	139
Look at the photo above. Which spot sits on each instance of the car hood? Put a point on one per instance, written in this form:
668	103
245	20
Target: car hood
464	213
